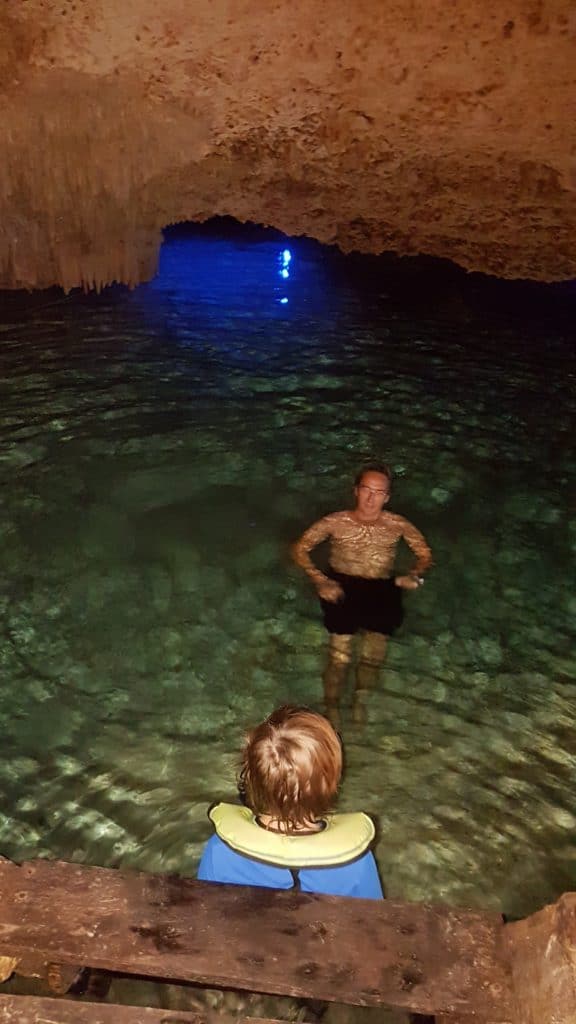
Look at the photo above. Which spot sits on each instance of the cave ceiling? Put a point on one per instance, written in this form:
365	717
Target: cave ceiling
408	126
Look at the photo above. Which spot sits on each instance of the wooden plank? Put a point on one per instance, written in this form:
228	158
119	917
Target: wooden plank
541	953
406	956
472	1020
61	977
37	1010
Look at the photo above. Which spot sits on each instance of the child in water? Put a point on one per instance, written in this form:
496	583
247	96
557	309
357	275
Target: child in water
285	835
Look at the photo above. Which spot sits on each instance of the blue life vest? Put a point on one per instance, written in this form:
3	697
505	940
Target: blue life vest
336	861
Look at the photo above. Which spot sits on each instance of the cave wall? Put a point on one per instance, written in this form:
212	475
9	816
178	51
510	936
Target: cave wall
414	126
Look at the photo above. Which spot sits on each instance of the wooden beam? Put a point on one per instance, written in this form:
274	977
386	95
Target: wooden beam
468	1020
541	952
61	977
37	1010
406	956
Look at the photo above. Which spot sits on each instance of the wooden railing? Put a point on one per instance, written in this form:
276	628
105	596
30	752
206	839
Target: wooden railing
459	966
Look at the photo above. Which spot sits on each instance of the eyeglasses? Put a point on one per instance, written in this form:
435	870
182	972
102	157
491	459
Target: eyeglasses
364	487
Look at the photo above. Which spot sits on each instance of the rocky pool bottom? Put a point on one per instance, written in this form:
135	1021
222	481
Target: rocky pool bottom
159	452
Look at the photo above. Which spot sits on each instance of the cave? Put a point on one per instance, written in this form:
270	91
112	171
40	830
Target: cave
428	128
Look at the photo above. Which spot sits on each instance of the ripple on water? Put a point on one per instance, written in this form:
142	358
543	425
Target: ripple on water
161	450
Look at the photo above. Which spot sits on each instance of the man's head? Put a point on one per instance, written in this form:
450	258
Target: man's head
291	766
372	488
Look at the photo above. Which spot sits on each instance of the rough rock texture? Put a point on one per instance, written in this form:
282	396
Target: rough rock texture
420	126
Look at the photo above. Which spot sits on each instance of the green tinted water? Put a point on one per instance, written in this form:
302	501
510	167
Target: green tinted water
160	450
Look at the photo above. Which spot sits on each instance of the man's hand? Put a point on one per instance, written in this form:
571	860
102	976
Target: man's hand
408	582
330	591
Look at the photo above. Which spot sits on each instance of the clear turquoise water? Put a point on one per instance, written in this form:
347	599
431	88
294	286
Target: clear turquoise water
159	451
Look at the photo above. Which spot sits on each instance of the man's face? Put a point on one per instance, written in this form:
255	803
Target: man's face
372	493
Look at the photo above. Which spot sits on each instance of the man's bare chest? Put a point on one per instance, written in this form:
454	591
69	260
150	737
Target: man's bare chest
380	536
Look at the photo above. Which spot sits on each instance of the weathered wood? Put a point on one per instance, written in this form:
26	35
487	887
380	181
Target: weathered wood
407	956
7	967
35	1010
61	977
541	952
468	1020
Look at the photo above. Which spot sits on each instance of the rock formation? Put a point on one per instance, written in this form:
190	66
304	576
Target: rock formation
415	126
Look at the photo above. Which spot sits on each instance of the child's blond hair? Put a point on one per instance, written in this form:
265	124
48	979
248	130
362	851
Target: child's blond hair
291	766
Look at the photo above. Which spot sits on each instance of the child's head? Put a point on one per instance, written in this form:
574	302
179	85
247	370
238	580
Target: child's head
291	766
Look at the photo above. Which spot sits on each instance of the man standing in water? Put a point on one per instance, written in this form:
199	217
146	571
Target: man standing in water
360	591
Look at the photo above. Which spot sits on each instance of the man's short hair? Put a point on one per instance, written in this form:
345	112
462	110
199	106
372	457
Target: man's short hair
374	467
291	766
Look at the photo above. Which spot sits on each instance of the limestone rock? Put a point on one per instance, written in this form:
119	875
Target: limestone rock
414	126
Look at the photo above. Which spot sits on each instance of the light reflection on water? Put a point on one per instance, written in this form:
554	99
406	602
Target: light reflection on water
159	452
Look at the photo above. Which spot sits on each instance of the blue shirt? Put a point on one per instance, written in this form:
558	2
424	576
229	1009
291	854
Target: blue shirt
220	863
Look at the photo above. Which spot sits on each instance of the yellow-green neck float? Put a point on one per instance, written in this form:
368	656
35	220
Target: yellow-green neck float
345	838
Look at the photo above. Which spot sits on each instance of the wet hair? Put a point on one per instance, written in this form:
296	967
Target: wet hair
374	467
291	766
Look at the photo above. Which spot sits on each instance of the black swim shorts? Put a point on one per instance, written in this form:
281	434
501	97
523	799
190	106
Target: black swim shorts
373	605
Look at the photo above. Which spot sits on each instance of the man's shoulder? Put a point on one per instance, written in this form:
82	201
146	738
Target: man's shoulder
334	519
394	519
340	520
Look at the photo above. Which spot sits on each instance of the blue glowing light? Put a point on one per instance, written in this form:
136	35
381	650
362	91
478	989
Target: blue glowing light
284	261
208	281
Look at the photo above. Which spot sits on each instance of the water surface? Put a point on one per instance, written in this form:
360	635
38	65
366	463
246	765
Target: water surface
159	451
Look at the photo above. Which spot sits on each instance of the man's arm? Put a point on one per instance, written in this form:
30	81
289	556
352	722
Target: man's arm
328	589
417	544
